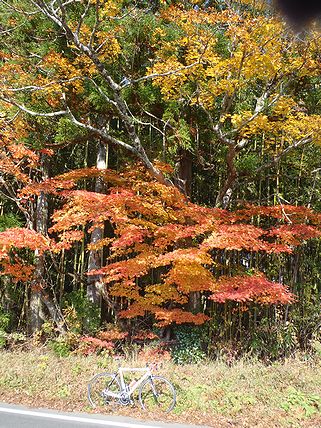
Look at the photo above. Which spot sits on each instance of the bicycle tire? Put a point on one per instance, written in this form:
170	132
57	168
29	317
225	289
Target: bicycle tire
98	388
157	394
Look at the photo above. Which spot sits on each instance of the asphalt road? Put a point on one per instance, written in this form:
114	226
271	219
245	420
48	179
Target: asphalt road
21	417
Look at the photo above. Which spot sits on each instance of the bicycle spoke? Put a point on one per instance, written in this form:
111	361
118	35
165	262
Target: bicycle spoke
102	390
157	394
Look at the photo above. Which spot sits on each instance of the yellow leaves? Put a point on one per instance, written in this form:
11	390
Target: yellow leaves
249	125
109	8
128	289
171	82
56	63
157	36
262	66
254	54
189	276
158	294
301	125
295	125
111	47
178	316
283	106
257	4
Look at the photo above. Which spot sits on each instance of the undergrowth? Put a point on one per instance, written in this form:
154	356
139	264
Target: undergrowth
244	393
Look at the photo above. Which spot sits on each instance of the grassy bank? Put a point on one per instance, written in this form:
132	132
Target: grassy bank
246	394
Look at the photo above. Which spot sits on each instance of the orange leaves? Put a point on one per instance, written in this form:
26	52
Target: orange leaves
178	316
162	246
251	288
91	345
14	239
63	67
132	234
16	159
112	335
22	238
17	270
189	276
67	239
164	316
197	255
245	237
69	180
126	269
159	294
235	237
295	234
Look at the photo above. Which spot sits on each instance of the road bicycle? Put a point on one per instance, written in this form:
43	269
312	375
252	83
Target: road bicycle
155	393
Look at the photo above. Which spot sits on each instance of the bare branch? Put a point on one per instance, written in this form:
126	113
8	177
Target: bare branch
102	93
15	9
31	112
40	88
124	113
104	136
93	32
137	150
166	73
10	30
217	129
144	123
82	17
305	140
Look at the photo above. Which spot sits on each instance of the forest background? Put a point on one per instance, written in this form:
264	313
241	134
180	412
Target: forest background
160	178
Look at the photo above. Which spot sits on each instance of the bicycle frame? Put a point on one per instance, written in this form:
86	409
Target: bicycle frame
118	388
124	387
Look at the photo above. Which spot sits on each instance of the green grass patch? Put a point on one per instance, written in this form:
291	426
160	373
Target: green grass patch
247	393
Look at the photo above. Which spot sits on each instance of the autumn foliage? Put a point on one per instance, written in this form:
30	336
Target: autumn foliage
163	247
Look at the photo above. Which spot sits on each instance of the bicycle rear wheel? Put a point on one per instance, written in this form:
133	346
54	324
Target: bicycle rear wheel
100	387
157	394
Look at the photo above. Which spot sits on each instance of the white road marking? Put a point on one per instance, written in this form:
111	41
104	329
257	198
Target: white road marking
74	418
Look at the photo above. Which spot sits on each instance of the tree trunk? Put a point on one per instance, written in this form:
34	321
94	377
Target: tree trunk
38	295
54	311
185	176
95	260
185	170
36	315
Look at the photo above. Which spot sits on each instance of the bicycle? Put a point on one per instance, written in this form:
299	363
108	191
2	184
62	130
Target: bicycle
155	392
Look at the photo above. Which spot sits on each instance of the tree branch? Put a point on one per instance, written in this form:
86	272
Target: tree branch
31	112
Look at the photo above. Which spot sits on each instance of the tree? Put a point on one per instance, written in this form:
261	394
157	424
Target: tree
163	245
20	165
238	73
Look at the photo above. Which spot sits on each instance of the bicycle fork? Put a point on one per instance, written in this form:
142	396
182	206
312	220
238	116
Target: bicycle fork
154	389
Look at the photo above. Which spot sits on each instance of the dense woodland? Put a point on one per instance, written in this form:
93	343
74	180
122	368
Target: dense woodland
160	177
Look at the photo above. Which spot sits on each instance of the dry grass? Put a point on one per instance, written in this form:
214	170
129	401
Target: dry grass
246	394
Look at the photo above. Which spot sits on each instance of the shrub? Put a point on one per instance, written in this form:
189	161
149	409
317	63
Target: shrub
189	348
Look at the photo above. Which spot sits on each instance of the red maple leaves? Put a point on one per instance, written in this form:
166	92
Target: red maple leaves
247	288
163	247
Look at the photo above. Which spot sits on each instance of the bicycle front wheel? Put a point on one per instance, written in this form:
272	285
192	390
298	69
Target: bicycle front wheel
157	394
104	388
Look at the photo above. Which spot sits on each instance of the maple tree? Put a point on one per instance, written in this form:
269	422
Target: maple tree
157	230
